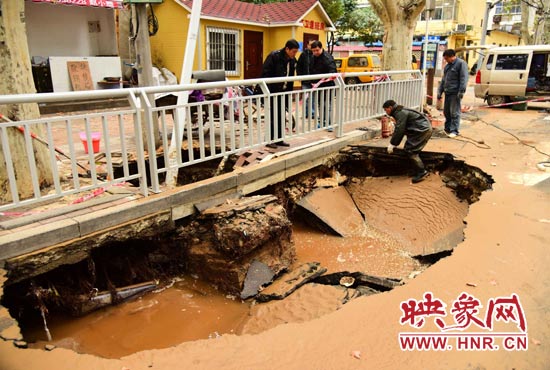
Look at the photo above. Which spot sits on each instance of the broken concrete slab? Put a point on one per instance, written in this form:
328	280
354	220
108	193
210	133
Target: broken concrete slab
410	215
238	228
232	206
258	275
222	243
335	209
291	281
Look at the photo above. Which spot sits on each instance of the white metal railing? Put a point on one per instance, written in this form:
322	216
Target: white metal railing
212	128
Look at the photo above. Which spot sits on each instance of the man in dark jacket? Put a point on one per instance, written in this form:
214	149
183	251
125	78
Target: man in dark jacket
303	68
323	63
418	130
453	84
280	63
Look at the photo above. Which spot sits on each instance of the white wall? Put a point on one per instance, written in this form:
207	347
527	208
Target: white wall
62	30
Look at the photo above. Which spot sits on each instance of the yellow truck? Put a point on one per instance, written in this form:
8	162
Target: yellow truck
358	63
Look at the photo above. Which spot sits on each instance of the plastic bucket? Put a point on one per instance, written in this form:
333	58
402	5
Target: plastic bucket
96	139
437	122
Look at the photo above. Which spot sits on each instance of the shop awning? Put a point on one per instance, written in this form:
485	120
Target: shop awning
113	4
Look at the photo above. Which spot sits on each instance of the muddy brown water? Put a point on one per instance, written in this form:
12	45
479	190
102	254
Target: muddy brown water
188	310
191	310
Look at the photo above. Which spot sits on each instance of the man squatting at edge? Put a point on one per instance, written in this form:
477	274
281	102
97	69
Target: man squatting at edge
418	130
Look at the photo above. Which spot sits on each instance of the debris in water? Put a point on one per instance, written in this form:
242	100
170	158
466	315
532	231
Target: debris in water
471	284
169	285
106	298
46	325
49	347
20	344
356	354
258	275
347	281
214	335
290	281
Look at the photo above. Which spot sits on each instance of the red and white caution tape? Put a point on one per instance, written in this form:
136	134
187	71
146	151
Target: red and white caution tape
516	102
86	197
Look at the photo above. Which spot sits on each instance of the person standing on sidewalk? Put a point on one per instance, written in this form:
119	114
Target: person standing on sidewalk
418	130
453	84
323	63
280	63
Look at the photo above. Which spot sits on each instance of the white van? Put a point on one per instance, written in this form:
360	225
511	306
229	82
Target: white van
514	71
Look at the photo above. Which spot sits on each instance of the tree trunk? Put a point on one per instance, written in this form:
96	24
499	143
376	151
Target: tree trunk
542	28
399	19
526	36
16	78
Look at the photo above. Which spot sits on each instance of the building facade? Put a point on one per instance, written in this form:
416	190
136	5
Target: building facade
459	23
234	35
455	24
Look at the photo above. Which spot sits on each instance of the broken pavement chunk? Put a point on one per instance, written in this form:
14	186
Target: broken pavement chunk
334	209
291	281
258	275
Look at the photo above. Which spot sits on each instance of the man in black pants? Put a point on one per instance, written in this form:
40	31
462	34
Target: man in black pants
453	85
280	63
323	63
418	130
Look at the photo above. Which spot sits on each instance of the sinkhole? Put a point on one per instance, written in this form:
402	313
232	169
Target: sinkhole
290	252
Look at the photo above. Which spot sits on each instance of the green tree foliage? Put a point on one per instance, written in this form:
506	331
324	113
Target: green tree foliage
349	6
334	9
362	24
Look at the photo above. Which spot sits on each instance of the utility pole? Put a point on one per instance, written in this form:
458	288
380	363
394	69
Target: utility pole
143	48
488	6
430	5
186	74
144	65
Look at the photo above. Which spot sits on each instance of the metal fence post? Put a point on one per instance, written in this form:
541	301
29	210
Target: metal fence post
339	121
139	143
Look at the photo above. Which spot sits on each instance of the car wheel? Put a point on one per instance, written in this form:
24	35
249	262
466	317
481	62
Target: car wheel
351	80
496	99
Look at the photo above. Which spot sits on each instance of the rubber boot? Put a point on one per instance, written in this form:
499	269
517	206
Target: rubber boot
418	165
